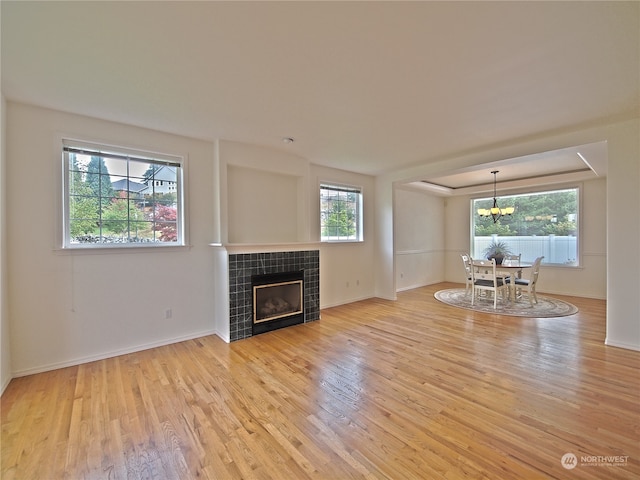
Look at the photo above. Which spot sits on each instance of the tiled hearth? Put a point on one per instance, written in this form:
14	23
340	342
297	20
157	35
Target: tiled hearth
243	265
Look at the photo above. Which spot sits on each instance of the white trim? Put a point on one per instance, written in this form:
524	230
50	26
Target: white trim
225	338
359	189
418	251
114	353
62	195
541	190
143	153
414	286
628	346
346	302
131	248
267	247
5	385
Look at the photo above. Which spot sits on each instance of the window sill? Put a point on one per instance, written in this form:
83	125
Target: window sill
342	242
104	250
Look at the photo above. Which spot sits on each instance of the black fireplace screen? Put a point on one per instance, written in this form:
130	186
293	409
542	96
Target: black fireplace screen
276	300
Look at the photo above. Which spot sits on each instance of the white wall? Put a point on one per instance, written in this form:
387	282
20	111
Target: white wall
71	307
422	222
346	269
457	236
268	217
418	238
5	343
67	308
384	258
263	206
264	216
623	236
622	221
220	292
257	217
588	280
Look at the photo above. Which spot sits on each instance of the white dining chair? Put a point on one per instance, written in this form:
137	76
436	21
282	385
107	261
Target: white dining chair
530	281
466	262
509	259
512	259
485	278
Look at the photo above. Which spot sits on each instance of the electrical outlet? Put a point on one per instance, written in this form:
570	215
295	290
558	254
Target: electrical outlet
168	313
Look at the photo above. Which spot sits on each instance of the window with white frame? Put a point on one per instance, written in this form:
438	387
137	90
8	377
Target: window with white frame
340	213
544	224
117	198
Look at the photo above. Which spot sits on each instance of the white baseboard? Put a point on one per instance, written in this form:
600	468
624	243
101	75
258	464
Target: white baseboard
225	338
628	346
114	353
350	300
569	294
5	385
420	285
410	287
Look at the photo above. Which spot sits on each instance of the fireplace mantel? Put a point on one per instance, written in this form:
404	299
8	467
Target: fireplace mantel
266	247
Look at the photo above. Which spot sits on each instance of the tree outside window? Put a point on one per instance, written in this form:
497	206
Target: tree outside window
543	224
113	199
340	213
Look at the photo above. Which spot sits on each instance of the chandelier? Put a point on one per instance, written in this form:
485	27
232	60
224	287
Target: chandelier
495	211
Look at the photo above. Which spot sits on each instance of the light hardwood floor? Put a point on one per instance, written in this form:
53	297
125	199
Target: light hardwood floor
411	389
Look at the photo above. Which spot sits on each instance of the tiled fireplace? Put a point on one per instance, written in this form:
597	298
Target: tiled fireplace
244	266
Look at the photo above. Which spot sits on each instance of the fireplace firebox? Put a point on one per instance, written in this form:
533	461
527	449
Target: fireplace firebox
278	300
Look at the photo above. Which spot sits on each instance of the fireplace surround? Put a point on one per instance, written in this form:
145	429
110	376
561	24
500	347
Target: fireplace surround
244	266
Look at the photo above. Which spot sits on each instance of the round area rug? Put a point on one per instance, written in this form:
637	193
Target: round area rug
546	306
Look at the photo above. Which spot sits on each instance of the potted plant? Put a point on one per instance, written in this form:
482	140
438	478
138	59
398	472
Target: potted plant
497	250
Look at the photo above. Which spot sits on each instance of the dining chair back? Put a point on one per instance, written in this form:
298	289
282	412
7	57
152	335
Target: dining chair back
466	262
485	278
530	281
511	259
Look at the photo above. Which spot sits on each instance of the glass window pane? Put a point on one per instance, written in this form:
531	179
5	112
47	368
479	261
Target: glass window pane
119	199
542	224
340	213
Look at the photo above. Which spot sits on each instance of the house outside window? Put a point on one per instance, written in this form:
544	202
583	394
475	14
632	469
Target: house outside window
340	213
543	224
112	198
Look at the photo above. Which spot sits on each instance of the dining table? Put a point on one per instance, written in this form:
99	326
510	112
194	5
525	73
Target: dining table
512	269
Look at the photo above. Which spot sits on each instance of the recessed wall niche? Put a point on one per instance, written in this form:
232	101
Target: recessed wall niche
263	207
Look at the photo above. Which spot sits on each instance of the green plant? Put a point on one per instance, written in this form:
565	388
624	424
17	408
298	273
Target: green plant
497	249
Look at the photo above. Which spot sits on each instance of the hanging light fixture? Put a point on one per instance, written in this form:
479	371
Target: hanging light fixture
495	211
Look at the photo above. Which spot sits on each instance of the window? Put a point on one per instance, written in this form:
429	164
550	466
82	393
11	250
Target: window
340	213
113	198
543	224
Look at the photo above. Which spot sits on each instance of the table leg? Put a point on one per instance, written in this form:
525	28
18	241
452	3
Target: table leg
512	288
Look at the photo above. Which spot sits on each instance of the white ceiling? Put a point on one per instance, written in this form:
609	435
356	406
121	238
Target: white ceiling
369	87
570	164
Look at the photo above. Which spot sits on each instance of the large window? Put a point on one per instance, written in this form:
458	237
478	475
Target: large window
543	224
340	213
113	198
